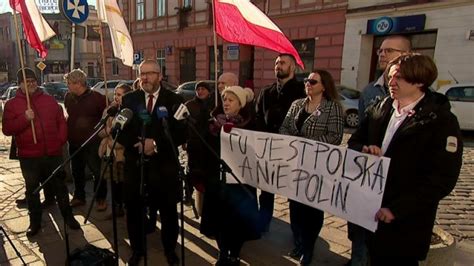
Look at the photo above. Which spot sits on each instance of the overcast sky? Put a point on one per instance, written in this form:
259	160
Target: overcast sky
5	6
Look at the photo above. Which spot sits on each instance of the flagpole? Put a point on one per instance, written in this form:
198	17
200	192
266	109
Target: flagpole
73	38
215	52
106	91
22	64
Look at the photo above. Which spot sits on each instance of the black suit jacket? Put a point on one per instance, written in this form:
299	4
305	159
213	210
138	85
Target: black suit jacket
161	168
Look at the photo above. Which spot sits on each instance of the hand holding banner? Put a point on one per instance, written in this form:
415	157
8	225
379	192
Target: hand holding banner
335	179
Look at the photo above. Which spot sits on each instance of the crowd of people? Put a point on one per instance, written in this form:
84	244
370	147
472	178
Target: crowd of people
401	118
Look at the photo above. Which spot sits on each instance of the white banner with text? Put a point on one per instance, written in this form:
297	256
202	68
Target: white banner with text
335	179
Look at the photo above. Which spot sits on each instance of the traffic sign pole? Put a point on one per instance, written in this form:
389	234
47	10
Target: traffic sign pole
76	11
73	41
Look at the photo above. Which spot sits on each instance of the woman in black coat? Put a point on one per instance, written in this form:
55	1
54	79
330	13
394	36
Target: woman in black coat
425	152
230	212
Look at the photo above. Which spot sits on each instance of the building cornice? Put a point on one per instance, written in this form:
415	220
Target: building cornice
404	7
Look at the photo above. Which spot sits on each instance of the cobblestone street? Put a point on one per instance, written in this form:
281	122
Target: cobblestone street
456	215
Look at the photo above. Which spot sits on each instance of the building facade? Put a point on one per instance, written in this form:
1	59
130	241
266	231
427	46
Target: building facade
443	30
179	35
86	54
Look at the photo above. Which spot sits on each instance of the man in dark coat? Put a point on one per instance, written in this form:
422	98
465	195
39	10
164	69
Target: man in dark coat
271	107
416	130
160	167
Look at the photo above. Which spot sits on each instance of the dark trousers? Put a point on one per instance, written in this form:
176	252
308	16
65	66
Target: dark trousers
265	212
34	171
306	223
161	196
169	224
392	261
360	250
87	156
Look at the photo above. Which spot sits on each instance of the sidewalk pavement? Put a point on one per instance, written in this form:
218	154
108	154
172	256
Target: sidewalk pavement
332	248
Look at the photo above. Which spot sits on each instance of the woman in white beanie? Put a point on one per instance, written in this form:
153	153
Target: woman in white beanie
317	117
230	212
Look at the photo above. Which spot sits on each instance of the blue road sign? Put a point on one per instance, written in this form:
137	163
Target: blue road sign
137	58
75	11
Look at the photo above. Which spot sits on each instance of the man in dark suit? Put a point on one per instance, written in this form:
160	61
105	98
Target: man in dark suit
160	167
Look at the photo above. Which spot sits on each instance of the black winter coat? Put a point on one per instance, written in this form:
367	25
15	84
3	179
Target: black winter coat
424	168
271	105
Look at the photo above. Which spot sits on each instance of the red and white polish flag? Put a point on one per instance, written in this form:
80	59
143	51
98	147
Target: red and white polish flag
36	28
240	21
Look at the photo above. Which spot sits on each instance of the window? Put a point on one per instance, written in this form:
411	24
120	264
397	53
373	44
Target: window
140	9
115	68
90	69
187	3
305	49
160	8
161	59
461	94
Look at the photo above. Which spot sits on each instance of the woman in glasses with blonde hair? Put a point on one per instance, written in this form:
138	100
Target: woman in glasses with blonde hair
317	117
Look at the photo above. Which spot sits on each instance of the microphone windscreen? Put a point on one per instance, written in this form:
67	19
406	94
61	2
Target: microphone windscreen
127	113
162	112
144	116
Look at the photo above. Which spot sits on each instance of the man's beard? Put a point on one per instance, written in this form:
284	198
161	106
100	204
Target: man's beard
282	74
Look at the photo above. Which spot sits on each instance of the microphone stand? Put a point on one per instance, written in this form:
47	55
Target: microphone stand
109	164
225	168
181	179
99	127
40	187
11	244
142	192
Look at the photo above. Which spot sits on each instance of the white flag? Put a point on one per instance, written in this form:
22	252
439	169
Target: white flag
109	12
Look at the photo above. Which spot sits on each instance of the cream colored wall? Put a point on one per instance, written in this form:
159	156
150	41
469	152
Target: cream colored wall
452	52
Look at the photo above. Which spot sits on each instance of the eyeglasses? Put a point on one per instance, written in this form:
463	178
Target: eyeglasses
312	82
388	50
142	74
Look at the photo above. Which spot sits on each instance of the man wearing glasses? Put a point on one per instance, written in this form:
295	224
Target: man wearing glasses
39	151
160	169
271	107
391	47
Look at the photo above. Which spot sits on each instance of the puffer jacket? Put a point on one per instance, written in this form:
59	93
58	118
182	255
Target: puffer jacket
50	125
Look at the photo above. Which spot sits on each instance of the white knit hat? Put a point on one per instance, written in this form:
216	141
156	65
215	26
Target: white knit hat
245	95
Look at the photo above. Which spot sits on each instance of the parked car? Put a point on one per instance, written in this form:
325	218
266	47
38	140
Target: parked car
92	81
11	92
186	90
350	105
56	89
461	97
111	84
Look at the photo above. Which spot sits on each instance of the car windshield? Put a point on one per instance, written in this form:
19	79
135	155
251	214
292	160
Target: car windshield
348	92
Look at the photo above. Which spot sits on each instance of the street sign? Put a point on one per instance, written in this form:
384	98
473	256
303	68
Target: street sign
41	66
137	58
76	11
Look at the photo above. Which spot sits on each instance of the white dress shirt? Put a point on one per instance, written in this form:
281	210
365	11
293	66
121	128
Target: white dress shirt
397	118
155	98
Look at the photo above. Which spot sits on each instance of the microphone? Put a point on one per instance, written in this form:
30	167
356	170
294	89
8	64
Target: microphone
123	118
144	116
181	113
162	114
228	127
111	112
